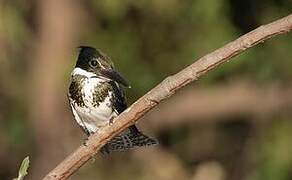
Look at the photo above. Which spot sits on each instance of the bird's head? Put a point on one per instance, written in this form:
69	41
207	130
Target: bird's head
93	60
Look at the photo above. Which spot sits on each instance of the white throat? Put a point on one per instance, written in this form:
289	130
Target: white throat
79	71
82	72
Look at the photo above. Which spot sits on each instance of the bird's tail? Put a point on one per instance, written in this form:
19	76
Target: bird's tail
128	139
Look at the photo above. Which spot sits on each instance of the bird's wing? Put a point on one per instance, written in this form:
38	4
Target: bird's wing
131	136
118	100
120	104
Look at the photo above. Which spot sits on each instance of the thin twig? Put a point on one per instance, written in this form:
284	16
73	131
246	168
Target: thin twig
164	90
203	105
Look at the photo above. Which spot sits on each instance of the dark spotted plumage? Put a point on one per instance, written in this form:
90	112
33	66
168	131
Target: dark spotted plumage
101	91
96	97
75	88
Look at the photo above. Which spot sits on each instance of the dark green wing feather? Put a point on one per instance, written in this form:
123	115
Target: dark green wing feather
131	136
118	100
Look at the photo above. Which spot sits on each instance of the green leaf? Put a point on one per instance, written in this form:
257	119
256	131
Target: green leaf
23	169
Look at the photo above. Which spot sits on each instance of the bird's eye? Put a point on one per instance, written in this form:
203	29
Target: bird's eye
93	63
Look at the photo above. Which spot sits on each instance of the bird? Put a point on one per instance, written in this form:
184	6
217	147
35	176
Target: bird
96	96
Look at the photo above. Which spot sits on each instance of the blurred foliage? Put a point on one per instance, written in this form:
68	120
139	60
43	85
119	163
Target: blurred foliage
149	40
276	152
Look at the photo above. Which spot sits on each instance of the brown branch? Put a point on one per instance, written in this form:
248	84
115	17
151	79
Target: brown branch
208	105
164	90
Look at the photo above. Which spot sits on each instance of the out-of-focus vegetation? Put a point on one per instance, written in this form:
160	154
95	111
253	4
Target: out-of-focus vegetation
147	40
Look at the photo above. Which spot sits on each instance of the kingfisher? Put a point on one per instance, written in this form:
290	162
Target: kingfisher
96	96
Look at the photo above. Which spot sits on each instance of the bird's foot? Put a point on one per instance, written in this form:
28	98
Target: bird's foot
111	121
84	141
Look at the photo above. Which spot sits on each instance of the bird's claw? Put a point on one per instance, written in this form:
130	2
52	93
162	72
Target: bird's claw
84	141
111	121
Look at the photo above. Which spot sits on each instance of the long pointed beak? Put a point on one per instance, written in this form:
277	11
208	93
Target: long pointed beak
115	76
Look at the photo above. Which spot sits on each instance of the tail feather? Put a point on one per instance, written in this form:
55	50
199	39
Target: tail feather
128	139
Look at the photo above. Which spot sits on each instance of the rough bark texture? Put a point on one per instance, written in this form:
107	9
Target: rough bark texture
164	90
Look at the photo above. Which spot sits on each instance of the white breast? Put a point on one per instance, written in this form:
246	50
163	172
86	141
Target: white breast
89	116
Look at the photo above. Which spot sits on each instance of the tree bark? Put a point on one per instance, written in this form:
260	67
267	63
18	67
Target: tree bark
164	90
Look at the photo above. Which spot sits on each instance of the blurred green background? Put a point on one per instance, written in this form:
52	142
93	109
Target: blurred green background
234	123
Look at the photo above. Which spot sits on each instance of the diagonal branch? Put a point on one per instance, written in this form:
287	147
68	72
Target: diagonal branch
164	90
203	105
